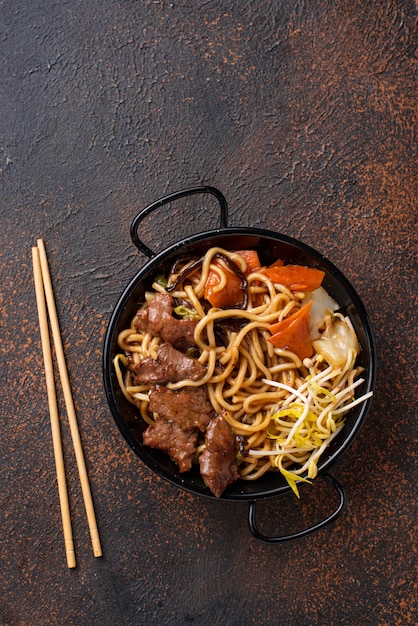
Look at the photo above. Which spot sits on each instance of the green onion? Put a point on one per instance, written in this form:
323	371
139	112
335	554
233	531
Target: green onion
161	280
185	312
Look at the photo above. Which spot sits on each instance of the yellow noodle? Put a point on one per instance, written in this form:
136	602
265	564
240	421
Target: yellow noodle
256	440
194	300
233	360
260	399
236	383
251	368
260	423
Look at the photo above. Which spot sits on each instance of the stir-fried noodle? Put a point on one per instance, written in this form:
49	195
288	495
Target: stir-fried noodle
287	408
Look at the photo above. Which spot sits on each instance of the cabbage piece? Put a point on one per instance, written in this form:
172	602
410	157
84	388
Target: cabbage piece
336	342
322	304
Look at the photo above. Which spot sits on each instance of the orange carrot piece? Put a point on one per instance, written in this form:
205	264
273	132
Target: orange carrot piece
229	295
295	277
251	258
293	333
277	326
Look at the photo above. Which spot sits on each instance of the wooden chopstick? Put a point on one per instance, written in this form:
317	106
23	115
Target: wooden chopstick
53	409
68	398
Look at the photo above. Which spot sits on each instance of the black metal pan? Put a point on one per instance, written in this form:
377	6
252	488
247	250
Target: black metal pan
270	245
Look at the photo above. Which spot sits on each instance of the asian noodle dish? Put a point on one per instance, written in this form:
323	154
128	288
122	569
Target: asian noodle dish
239	368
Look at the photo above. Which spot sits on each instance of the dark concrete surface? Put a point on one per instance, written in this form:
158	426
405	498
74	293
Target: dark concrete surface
305	115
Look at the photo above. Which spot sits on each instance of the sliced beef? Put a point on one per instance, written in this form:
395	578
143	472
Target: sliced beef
158	320
179	444
218	466
188	407
171	365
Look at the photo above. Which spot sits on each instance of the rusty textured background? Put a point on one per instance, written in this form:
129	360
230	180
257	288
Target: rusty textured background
305	115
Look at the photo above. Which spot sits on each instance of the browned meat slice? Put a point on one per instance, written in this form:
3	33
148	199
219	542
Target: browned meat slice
150	319
188	407
158	320
179	444
171	365
218	466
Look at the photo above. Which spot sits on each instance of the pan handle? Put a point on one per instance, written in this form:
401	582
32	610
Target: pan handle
170	198
307	531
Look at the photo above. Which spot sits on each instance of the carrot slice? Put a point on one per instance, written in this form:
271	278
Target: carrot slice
295	277
277	326
231	294
293	333
251	258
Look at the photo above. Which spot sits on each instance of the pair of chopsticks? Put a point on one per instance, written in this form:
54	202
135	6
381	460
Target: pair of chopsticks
46	307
